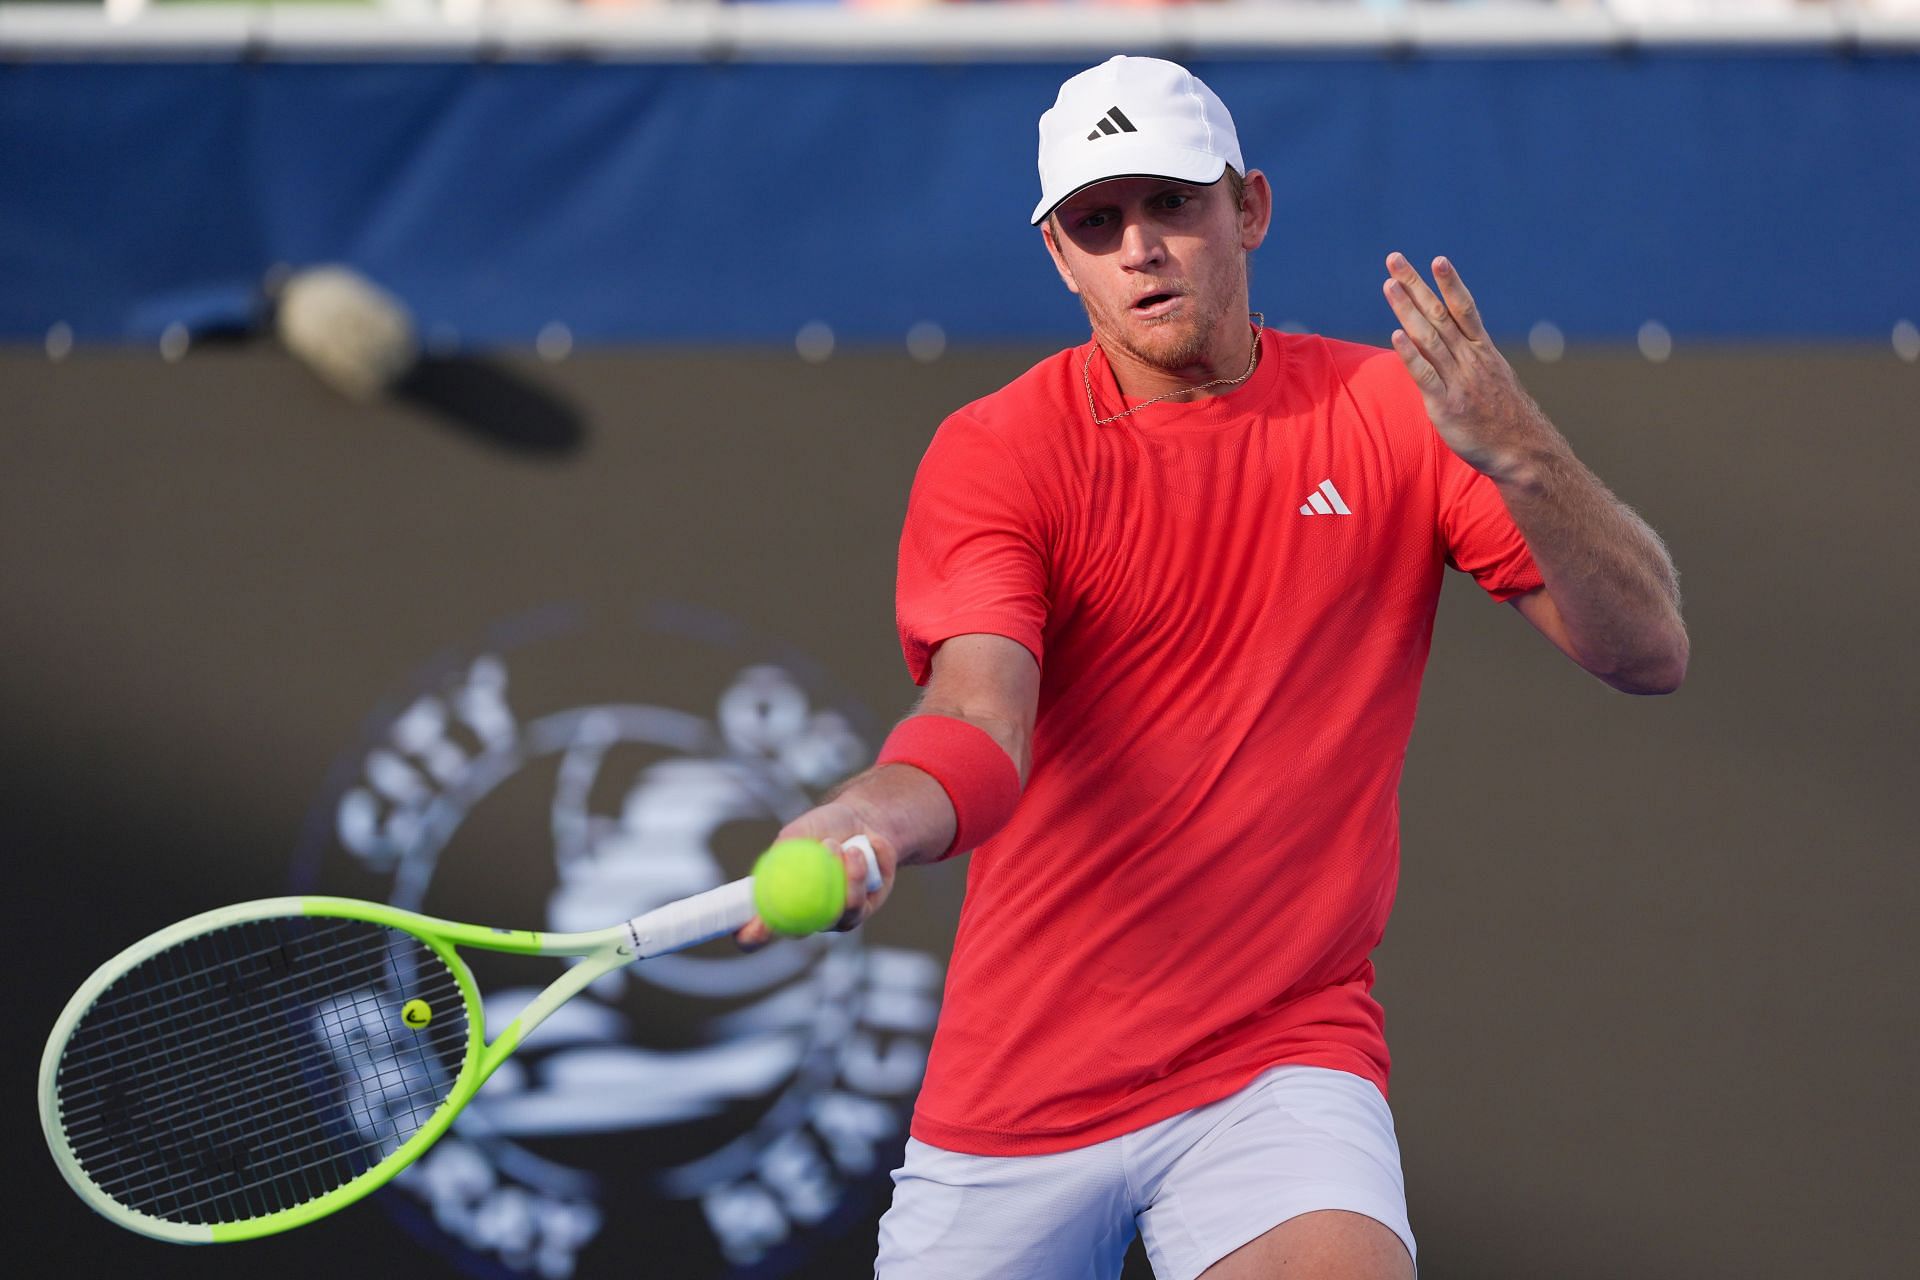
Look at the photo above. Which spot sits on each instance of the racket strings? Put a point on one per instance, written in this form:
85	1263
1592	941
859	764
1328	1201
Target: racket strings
268	1137
138	1029
296	1136
185	1071
248	1070
189	986
186	1066
179	1062
274	1141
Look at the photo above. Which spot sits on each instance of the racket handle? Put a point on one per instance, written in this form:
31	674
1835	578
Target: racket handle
691	921
715	913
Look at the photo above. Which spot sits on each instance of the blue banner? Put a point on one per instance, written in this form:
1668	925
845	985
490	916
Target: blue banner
1727	195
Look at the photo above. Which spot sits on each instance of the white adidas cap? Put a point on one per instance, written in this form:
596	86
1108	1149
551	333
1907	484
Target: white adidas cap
1133	117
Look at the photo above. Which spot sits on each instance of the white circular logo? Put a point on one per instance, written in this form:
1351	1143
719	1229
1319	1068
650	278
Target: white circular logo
709	1111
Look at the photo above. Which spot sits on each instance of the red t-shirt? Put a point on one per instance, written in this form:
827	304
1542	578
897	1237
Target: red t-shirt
1208	844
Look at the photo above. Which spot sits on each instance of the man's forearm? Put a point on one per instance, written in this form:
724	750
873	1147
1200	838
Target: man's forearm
904	806
908	806
1609	574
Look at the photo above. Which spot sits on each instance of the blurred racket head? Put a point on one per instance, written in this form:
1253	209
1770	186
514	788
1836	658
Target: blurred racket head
355	335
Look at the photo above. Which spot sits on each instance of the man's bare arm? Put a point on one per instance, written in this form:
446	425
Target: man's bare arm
1612	599
990	682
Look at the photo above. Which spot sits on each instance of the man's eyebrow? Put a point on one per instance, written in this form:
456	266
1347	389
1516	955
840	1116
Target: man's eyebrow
1082	210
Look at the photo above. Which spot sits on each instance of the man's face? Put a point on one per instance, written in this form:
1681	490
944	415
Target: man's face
1161	266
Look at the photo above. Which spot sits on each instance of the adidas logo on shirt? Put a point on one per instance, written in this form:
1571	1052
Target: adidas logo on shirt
1324	501
1112	122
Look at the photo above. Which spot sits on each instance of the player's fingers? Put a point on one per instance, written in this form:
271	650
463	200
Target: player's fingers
1430	304
1417	364
752	935
854	863
860	902
1432	343
1459	301
854	916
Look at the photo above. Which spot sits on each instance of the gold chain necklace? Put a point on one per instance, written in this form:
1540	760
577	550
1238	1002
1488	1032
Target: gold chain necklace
1256	319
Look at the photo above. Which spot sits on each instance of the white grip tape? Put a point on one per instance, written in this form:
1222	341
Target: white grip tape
691	921
865	846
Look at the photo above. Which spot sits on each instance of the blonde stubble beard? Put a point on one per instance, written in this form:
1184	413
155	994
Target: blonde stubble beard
1193	346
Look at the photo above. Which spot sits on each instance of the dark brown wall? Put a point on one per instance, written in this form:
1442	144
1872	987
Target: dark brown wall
1649	981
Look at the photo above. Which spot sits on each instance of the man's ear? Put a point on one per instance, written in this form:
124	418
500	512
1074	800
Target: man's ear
1059	259
1256	210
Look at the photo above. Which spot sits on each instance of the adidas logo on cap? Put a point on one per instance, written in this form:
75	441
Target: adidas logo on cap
1112	122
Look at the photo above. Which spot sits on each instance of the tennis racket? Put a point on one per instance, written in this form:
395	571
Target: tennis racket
260	1066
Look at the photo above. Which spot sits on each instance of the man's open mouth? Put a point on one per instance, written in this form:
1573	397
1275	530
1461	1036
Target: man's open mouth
1155	304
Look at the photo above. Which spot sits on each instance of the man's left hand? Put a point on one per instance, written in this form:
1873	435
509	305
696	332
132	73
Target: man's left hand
1476	403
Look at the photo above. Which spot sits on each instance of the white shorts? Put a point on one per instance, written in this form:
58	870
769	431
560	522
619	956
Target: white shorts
1197	1186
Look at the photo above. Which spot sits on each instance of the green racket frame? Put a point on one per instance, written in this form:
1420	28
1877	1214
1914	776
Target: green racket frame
604	949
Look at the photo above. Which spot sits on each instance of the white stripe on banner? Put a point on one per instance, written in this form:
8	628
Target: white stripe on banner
993	31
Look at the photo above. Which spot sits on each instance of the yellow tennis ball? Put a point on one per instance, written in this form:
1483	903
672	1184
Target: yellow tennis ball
416	1014
799	887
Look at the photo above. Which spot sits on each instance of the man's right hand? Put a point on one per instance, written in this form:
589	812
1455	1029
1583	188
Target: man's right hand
836	822
989	681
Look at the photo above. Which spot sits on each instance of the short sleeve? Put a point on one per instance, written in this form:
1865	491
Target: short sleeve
1477	533
973	550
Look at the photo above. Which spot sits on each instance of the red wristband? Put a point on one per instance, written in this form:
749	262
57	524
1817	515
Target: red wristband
974	770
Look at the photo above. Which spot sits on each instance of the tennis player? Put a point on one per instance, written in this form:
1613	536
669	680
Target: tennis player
1171	593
